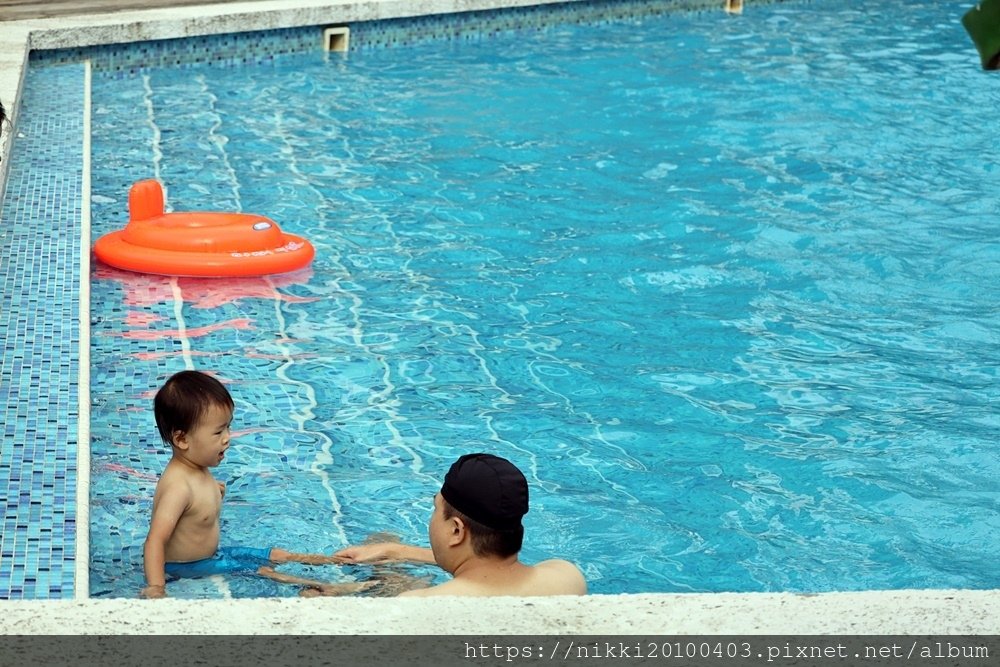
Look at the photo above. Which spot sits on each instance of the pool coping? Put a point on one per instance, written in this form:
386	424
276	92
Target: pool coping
871	612
732	614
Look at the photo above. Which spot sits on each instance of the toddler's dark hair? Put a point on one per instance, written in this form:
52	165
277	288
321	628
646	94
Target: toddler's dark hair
184	398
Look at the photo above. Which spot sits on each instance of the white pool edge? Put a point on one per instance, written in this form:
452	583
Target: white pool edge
731	614
81	579
872	612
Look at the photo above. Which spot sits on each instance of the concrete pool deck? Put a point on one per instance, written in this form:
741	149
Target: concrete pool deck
891	612
883	613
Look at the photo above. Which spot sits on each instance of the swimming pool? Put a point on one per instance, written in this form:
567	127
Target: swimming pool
718	324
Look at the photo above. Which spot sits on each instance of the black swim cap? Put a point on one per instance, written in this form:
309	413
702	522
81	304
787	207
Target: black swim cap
487	489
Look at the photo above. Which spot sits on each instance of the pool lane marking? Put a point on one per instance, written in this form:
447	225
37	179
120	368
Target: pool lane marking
325	454
356	333
381	400
596	432
178	298
323	457
147	99
220	140
220	583
631	462
81	579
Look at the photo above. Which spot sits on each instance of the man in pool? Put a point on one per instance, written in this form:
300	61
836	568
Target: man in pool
475	534
193	413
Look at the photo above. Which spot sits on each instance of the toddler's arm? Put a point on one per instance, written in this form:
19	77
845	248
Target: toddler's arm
167	511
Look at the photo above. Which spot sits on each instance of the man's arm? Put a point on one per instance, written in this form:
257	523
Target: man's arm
167	512
321	587
384	552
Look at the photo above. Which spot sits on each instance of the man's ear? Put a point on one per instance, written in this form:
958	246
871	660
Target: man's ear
457	531
179	439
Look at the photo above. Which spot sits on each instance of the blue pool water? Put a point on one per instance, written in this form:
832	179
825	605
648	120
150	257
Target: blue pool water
724	288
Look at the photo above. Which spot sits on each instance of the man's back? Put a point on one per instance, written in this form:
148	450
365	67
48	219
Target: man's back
551	577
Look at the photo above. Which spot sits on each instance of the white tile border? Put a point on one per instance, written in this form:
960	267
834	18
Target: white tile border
891	613
875	612
81	574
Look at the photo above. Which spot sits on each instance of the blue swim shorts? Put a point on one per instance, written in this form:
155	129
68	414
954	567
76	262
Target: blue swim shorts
227	560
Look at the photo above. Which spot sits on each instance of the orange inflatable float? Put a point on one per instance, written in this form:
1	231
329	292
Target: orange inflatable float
198	243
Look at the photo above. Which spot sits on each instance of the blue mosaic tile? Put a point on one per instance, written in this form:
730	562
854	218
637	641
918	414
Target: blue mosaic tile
235	49
471	26
39	302
263	46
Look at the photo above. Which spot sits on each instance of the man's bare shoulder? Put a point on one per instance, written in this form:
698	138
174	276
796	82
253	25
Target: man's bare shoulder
558	564
563	577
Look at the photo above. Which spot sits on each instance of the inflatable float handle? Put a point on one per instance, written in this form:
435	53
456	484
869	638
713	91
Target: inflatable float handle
145	200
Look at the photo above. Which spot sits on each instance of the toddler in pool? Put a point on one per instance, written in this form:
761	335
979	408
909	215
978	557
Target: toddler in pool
193	413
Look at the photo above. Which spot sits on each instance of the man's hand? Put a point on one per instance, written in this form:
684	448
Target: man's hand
380	552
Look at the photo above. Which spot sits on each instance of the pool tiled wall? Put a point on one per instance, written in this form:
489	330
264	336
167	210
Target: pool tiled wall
471	26
39	305
262	46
